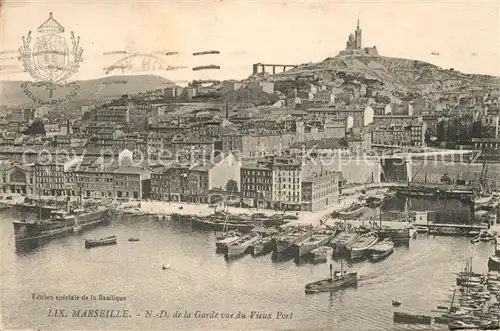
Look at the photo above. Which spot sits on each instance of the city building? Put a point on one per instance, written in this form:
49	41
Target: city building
55	176
357	117
400	134
285	190
178	182
116	114
320	190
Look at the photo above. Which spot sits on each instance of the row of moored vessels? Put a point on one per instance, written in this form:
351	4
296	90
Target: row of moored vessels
475	303
318	243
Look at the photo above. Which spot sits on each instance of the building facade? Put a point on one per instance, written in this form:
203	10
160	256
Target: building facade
320	190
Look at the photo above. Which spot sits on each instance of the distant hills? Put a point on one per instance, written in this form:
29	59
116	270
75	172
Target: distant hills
393	74
95	89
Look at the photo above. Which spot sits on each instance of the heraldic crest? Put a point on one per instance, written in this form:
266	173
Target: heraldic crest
50	60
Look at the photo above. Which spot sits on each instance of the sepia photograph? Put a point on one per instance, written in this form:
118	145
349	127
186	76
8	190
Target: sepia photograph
249	165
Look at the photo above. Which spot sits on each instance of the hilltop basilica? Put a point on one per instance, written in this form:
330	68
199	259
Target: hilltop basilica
354	45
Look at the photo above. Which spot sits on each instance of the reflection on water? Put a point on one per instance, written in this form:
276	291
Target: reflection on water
199	279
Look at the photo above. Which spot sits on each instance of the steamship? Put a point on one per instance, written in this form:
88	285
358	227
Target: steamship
60	223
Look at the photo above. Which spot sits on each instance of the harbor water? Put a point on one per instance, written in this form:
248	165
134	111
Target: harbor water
198	279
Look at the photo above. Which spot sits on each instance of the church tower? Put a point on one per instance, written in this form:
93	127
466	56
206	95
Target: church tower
357	37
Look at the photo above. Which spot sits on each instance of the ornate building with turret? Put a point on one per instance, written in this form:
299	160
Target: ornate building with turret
354	45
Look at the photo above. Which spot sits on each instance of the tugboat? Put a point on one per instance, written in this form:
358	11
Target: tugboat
336	281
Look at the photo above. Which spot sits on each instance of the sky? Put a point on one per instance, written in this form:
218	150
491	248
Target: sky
465	34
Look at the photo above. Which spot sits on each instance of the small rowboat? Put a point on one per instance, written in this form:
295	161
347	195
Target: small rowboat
396	302
111	240
133	239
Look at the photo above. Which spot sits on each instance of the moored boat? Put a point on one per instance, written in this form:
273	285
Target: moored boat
226	239
316	239
337	280
353	211
382	249
342	240
242	244
133	239
396	235
262	246
361	246
481	201
111	240
494	263
285	241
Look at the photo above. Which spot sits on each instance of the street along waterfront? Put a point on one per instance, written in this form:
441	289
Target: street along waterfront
200	280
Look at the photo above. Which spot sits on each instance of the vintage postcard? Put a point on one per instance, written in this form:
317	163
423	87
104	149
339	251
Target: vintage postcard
249	165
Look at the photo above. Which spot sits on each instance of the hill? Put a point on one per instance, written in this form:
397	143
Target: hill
95	89
401	76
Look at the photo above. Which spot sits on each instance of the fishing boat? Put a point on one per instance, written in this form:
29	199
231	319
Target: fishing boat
337	280
285	241
353	211
340	242
316	239
242	244
111	240
321	254
382	249
133	239
361	246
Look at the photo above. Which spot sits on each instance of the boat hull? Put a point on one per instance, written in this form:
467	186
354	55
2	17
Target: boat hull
396	235
380	255
359	253
100	242
281	245
304	248
494	263
349	215
262	248
236	248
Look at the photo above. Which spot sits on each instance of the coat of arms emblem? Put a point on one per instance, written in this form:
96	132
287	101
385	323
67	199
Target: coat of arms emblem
50	61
